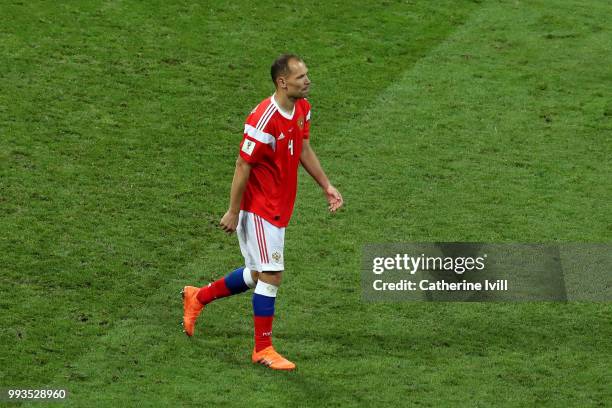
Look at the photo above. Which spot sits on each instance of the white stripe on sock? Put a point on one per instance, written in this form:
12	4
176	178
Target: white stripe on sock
265	289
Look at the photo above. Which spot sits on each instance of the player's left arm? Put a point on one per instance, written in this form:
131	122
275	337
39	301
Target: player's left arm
311	163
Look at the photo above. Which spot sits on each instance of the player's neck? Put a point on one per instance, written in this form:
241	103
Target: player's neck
284	102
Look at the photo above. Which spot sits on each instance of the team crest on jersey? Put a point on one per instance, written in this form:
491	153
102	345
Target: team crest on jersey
300	122
276	256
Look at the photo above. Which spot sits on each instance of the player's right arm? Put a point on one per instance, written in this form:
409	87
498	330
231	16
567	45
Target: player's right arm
229	222
255	143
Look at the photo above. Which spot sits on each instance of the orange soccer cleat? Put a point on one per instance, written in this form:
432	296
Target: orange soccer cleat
270	358
191	308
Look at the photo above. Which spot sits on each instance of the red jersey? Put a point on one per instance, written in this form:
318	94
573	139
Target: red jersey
272	144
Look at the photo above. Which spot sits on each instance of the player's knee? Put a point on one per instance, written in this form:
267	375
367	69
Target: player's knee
272	277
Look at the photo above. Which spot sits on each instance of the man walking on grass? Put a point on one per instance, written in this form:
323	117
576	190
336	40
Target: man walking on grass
275	142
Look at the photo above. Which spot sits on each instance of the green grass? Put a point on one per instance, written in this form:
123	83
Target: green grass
439	121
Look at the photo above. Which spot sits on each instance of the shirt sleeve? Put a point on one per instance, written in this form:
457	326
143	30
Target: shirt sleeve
256	143
250	150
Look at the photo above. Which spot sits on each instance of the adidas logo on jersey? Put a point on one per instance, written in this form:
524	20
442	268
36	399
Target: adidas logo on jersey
282	136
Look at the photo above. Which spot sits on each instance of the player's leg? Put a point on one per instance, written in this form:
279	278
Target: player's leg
271	240
238	281
194	299
264	298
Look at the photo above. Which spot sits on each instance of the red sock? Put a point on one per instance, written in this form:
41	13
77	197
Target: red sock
263	331
212	291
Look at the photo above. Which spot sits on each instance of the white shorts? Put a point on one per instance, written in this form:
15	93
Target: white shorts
261	243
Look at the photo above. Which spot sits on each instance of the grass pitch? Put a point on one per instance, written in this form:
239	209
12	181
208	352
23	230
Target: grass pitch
439	121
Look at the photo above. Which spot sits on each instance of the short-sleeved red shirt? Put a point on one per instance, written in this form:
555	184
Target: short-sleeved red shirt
272	144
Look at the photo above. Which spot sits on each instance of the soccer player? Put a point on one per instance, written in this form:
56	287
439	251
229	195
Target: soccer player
275	142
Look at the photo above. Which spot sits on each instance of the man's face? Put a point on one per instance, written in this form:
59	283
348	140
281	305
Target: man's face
296	82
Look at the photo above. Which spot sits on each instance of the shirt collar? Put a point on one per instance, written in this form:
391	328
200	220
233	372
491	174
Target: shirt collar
281	111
